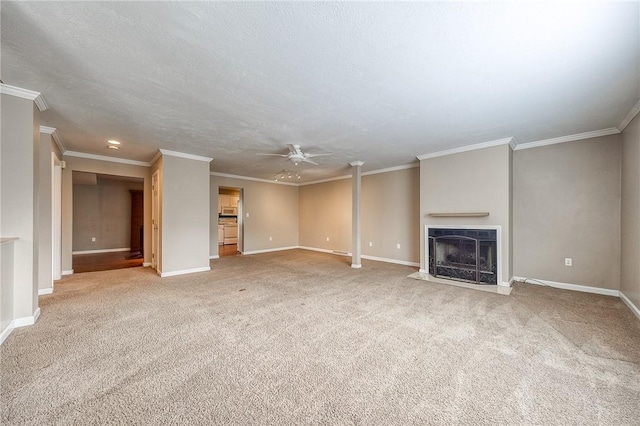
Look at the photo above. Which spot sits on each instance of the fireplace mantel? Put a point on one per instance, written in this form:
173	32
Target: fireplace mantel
465	214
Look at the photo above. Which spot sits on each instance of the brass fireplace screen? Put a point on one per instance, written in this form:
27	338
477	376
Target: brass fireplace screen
468	255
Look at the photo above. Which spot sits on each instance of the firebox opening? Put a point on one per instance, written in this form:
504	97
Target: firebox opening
468	255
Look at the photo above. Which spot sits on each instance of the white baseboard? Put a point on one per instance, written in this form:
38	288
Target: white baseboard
24	321
315	249
185	271
566	286
68	272
6	332
215	256
356	266
270	250
101	251
145	264
630	304
384	259
43	291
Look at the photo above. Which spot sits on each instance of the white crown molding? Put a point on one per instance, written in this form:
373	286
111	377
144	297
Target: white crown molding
251	179
569	138
630	116
392	169
185	155
56	137
466	148
155	158
356	163
326	180
25	94
106	158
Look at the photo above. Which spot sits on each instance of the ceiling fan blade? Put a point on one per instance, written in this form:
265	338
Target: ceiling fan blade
294	149
316	155
306	160
276	155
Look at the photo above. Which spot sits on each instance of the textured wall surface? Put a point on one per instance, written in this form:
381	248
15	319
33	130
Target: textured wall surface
567	204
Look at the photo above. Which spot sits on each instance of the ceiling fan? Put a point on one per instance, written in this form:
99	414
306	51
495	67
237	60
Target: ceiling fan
296	156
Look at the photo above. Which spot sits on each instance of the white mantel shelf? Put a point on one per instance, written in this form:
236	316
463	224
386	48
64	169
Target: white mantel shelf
467	214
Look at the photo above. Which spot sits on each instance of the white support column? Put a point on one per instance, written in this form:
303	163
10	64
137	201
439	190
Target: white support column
356	245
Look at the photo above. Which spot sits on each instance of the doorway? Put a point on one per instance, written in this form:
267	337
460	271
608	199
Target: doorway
108	217
230	225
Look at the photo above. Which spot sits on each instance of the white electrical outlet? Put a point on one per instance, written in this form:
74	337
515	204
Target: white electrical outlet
568	261
370	244
327	238
93	239
397	246
270	238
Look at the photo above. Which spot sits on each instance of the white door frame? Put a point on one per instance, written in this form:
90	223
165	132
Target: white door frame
155	210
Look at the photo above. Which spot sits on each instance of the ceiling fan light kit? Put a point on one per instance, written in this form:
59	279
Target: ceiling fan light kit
285	174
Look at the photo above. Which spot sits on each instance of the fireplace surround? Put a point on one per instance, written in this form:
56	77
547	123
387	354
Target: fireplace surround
469	254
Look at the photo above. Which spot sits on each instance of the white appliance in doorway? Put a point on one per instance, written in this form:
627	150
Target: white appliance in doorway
230	226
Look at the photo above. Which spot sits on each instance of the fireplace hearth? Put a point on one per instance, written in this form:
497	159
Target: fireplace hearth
461	254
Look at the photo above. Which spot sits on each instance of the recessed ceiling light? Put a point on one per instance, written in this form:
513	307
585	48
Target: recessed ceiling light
113	142
112	147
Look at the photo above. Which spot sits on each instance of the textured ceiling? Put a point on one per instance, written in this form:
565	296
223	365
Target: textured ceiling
377	82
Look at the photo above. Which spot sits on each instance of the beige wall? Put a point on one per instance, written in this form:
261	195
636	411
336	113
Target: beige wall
325	211
630	226
20	139
567	204
273	212
472	181
103	211
107	168
391	215
185	214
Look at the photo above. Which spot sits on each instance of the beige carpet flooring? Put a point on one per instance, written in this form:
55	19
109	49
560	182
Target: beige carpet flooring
299	337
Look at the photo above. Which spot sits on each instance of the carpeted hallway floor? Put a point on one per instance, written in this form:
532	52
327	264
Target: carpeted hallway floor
299	337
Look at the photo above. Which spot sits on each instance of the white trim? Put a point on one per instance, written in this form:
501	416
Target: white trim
372	172
105	158
185	271
270	250
384	259
43	291
391	169
326	180
146	264
251	178
567	286
25	94
101	250
155	158
630	304
356	266
68	272
55	135
568	138
25	321
356	163
630	116
185	155
482	145
498	229
6	332
315	249
215	256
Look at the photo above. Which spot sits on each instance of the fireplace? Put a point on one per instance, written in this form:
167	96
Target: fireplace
464	254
